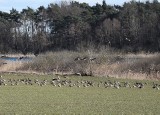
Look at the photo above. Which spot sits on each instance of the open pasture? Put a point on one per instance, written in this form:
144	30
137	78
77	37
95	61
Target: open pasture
48	94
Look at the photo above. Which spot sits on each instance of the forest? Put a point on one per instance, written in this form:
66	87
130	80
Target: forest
73	26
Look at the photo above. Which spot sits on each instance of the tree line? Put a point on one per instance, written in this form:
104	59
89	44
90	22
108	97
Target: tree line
133	27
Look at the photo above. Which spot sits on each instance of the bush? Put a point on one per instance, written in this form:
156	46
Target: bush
106	63
142	64
58	61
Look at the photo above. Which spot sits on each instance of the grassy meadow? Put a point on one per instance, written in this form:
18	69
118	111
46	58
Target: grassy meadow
97	99
120	84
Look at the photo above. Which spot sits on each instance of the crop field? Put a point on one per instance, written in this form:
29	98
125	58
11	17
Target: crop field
49	94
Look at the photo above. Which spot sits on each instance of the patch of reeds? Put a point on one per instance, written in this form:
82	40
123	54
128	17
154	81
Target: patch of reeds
57	62
142	66
1	62
8	66
106	64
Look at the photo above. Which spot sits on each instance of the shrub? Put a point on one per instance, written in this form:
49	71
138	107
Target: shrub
106	63
58	61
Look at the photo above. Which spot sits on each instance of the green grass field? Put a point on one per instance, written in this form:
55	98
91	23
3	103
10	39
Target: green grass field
33	99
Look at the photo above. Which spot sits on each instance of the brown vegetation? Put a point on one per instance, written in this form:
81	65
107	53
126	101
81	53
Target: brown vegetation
137	66
8	66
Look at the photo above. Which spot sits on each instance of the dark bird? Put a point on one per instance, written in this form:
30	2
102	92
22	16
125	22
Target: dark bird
21	58
92	59
85	58
77	58
3	56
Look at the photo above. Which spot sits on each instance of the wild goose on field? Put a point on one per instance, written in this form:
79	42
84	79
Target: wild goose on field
138	85
89	83
99	85
5	84
44	82
110	83
36	81
12	84
56	79
59	85
141	86
52	82
85	85
106	84
78	84
70	85
1	82
155	86
126	84
63	82
116	84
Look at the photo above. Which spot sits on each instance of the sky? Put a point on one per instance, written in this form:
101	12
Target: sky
7	5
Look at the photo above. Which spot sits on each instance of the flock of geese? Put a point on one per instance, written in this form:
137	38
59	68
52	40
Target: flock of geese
59	82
